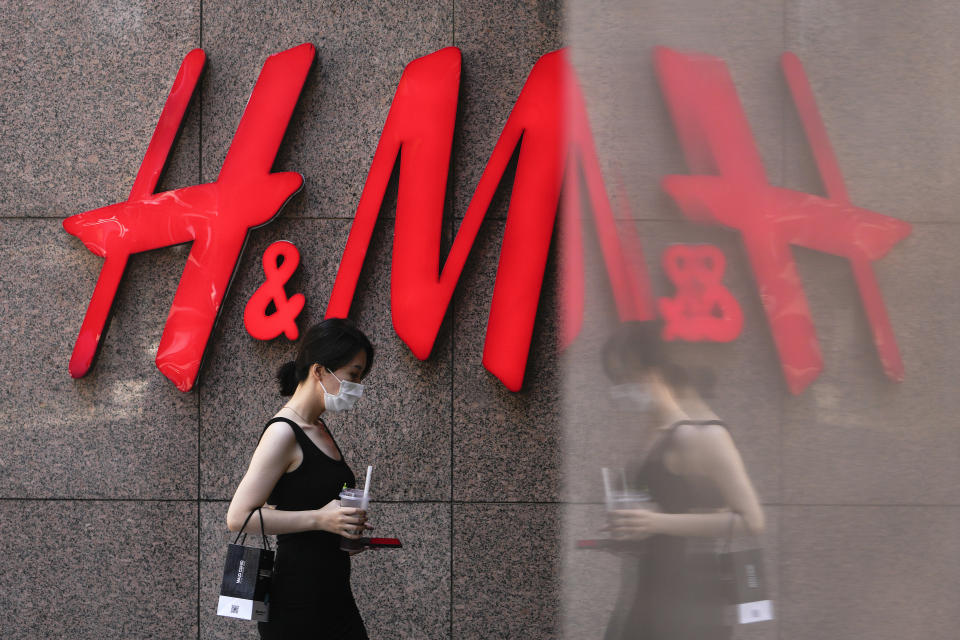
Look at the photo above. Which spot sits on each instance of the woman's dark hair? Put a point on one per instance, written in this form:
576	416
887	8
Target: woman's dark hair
636	347
332	344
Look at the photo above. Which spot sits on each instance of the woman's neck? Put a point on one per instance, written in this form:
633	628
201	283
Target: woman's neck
668	417
305	405
668	409
694	406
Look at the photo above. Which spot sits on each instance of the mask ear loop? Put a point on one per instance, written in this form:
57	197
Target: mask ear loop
320	378
330	371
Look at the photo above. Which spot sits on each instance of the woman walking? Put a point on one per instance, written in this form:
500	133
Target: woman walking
299	470
671	586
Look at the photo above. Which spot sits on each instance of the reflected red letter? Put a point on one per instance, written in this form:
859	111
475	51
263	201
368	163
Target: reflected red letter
732	190
702	308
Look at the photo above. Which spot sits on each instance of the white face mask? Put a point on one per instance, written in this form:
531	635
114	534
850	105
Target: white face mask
344	399
637	394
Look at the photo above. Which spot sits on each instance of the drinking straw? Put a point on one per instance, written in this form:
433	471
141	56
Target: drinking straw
607	486
366	485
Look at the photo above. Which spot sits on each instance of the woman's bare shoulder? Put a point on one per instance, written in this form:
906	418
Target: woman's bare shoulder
702	444
278	434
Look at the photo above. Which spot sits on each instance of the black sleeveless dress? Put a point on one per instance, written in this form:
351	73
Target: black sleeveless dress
671	586
310	596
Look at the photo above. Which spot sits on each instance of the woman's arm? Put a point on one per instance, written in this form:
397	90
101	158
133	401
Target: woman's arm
704	451
708	525
273	455
717	457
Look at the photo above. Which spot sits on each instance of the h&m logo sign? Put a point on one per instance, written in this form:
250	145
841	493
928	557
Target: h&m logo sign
556	159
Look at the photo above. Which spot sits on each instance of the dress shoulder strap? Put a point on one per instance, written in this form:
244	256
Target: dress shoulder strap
655	454
706	422
697	423
297	431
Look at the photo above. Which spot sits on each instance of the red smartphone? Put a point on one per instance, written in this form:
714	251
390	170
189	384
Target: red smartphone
382	543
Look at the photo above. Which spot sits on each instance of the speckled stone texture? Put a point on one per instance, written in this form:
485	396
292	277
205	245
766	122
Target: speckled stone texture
405	593
506	570
83	85
94	80
98	569
361	52
401	593
500	42
123	431
506	445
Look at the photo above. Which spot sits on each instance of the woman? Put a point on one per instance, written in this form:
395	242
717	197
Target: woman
299	470
671	588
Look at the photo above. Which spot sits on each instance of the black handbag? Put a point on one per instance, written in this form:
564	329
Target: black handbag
745	581
245	590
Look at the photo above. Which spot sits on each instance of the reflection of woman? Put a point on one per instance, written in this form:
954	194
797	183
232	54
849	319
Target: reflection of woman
299	470
671	589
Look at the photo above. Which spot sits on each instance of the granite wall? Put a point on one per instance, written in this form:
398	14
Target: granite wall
857	473
114	488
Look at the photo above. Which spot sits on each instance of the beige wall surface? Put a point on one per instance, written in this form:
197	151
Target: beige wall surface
857	474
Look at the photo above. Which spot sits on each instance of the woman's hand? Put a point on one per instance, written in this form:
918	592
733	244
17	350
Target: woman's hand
633	524
349	522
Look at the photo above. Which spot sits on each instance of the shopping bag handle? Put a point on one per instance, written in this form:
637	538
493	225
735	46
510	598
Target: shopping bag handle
263	536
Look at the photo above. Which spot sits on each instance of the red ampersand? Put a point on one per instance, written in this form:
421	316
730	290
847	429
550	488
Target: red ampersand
702	309
266	327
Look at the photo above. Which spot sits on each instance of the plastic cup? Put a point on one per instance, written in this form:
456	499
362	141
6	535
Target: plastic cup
628	500
352	498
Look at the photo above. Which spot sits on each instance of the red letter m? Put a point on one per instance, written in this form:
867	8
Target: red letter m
550	118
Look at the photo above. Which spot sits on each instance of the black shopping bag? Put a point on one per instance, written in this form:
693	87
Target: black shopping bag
746	585
245	590
745	582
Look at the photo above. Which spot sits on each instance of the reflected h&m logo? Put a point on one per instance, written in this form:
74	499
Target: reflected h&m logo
731	189
549	130
216	217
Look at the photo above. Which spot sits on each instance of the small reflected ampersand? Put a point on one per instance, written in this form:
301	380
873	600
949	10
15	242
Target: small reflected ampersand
283	320
702	308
